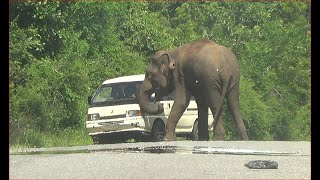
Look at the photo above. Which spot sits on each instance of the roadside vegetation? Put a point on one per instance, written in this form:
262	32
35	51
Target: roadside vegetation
61	51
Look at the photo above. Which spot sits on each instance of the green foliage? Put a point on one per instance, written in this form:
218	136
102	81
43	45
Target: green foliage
26	113
300	125
255	112
145	31
59	138
60	52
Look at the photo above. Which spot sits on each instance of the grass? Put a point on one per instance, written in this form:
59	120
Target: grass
60	138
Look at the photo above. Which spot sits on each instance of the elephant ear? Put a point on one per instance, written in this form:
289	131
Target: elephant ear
168	61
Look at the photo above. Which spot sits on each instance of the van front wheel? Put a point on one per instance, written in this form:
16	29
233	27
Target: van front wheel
158	131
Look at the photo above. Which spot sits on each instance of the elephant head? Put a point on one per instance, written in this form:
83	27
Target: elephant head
158	80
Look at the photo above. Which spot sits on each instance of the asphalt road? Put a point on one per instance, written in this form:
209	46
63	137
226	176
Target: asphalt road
165	160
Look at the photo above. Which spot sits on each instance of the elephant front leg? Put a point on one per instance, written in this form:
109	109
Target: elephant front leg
180	104
173	119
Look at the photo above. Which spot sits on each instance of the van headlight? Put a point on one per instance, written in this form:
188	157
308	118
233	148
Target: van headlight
93	117
133	113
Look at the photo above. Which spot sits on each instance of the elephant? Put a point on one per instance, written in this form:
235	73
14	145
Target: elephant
204	69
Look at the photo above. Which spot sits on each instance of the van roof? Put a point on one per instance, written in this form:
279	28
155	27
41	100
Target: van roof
131	78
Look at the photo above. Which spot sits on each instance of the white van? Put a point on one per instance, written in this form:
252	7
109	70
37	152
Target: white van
114	110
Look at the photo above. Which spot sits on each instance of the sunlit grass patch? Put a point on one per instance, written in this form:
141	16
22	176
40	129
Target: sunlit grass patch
65	137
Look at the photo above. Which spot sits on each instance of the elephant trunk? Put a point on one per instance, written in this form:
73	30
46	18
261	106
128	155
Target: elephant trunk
144	99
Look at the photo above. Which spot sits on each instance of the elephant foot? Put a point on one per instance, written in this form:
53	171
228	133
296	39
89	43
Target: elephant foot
170	137
203	138
245	138
218	138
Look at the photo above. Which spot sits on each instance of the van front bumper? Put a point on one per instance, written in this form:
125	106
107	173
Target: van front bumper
115	125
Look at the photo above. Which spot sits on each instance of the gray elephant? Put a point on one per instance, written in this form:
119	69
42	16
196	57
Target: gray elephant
203	69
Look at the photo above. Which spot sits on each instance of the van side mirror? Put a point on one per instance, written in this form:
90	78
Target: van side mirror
153	98
89	100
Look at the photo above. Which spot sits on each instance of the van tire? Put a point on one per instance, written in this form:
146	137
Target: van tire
158	131
194	133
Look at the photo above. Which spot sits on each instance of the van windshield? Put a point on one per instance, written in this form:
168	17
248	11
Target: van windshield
116	94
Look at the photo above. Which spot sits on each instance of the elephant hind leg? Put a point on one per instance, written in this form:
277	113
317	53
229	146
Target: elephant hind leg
234	107
216	101
218	125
